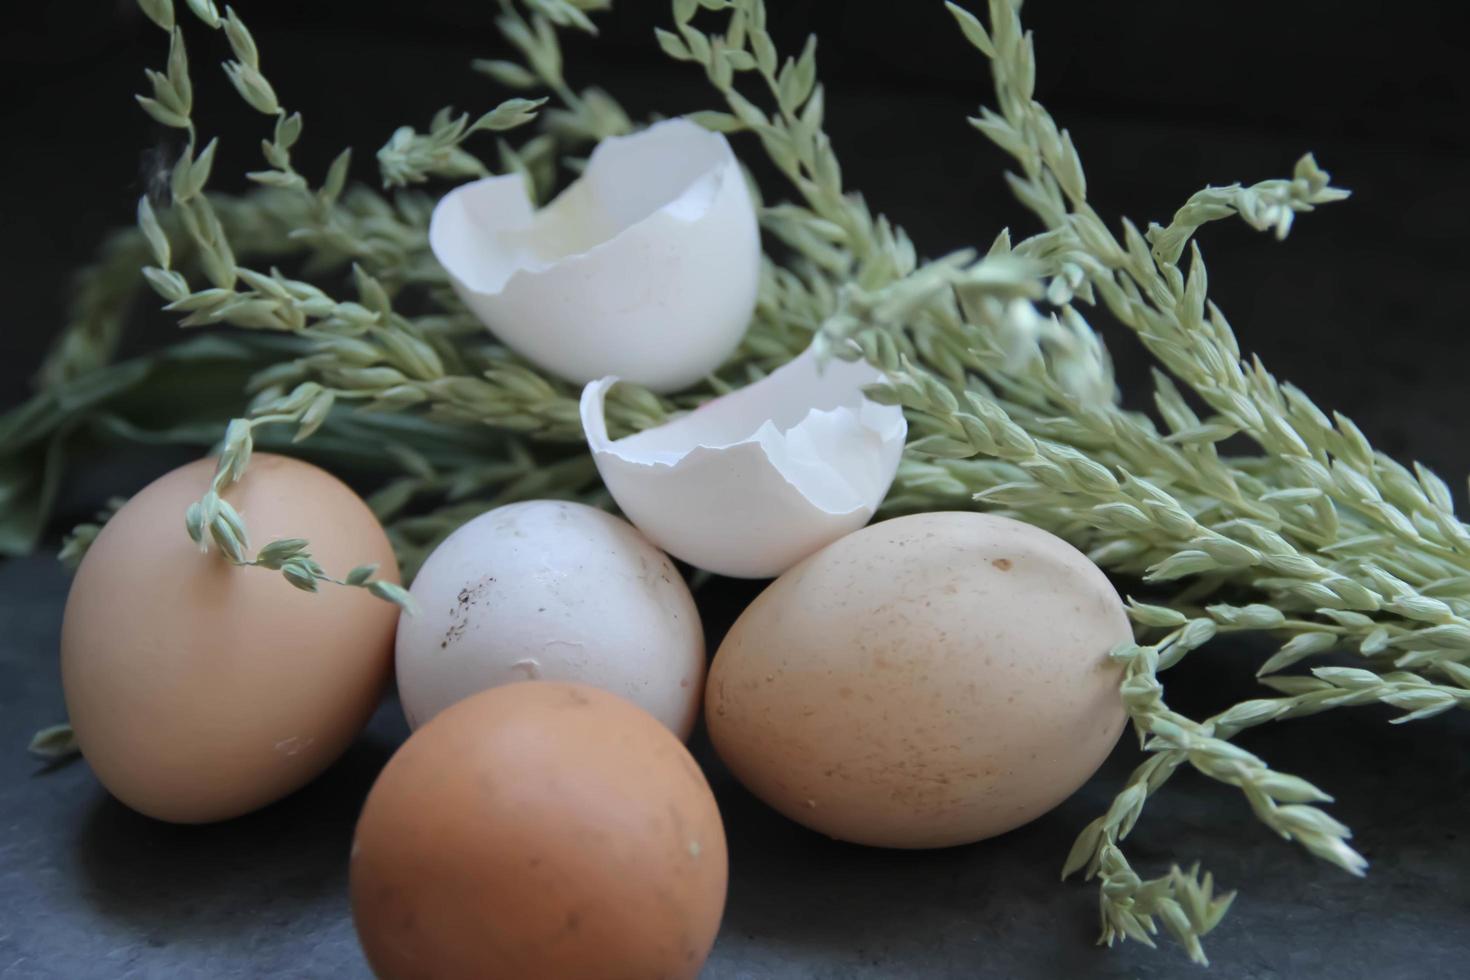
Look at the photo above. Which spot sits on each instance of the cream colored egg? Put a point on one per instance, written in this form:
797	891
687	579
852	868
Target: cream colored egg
200	691
926	681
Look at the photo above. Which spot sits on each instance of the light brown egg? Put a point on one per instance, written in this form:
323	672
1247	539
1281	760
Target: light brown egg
926	681
201	691
539	830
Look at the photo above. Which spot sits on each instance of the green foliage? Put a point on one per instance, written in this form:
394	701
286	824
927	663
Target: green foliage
53	743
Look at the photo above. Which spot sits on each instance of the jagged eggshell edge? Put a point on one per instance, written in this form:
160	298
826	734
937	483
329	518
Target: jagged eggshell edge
750	483
663	284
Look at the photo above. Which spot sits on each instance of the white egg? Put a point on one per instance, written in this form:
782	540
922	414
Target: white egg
548	589
751	483
646	267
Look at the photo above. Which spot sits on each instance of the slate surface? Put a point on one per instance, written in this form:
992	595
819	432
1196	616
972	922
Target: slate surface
89	889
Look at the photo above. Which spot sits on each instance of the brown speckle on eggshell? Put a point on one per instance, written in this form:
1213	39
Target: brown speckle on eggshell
926	681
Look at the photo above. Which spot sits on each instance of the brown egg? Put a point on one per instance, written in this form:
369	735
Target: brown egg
201	691
926	681
539	830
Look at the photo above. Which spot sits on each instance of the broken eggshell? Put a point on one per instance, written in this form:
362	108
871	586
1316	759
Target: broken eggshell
646	267
752	482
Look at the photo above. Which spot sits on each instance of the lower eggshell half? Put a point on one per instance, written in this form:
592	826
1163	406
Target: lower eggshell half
927	681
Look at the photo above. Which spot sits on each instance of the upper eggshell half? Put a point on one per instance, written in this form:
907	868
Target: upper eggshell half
646	267
750	483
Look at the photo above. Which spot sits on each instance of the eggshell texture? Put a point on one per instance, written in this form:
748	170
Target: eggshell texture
539	830
926	681
200	691
789	463
646	267
547	589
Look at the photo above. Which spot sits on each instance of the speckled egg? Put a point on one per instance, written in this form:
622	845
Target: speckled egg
926	681
551	590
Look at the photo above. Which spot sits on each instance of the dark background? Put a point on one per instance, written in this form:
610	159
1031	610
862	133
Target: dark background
1361	306
1162	97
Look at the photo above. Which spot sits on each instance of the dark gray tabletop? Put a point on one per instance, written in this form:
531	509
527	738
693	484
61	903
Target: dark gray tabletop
89	889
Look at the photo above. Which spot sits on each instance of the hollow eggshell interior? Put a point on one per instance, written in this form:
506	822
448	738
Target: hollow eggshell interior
789	463
646	267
